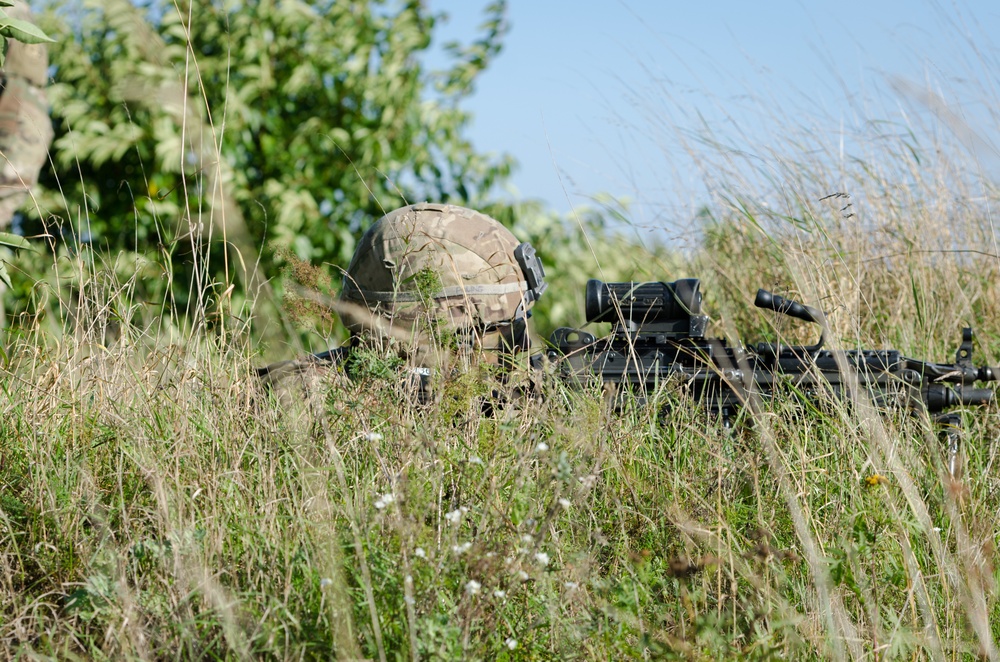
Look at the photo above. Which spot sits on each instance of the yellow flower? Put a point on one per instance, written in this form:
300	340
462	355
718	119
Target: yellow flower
876	479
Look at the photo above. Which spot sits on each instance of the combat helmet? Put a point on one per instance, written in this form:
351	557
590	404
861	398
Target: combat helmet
454	266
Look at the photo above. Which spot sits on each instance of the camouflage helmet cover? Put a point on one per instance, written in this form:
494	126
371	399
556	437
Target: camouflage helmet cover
482	275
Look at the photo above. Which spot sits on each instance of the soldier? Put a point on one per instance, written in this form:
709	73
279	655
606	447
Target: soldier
430	275
25	127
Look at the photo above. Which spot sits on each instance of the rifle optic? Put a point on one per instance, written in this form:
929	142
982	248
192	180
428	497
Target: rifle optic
643	303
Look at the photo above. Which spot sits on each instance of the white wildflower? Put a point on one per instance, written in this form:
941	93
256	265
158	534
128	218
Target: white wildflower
499	594
542	558
565	503
472	587
372	437
475	460
326	581
588	481
527	539
571	586
511	643
455	516
522	575
541	447
384	501
420	553
490	555
461	548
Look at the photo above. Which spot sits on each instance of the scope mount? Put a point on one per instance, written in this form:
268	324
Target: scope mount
693	326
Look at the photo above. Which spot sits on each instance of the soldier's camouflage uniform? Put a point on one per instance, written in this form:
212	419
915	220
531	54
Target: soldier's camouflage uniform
428	268
25	127
475	281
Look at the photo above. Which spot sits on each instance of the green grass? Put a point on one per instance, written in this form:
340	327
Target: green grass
158	503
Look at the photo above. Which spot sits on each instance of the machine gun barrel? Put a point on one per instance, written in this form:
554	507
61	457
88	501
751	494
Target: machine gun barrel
940	397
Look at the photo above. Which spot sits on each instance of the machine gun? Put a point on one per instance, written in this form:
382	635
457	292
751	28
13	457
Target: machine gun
658	335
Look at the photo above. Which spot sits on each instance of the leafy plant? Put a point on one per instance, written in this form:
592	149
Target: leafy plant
13	242
219	129
18	29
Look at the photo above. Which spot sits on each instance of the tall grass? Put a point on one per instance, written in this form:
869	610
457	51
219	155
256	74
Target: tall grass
157	502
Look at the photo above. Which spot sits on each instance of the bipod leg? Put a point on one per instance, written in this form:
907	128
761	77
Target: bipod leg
951	430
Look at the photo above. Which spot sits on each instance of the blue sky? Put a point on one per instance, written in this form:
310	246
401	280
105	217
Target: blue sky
587	93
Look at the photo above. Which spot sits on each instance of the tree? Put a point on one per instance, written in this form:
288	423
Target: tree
213	134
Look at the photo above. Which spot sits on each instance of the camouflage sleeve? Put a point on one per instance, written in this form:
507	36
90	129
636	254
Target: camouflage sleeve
314	366
25	126
301	386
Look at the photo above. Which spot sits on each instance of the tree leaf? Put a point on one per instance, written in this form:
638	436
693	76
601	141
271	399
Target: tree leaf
23	31
14	241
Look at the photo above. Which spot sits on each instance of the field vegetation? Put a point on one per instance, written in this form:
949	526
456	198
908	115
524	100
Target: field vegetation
157	502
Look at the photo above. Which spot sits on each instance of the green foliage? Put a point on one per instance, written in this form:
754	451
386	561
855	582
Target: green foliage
555	529
367	363
427	283
223	128
13	242
18	29
156	501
